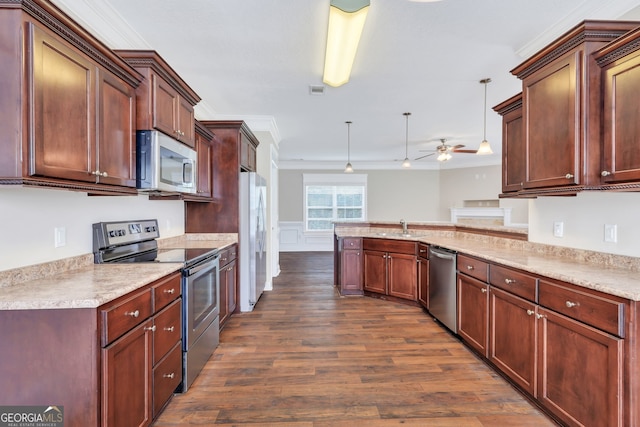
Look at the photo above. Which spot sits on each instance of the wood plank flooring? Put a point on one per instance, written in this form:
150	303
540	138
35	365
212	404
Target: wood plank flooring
307	357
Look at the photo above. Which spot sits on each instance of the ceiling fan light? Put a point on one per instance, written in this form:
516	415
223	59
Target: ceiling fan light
346	21
484	148
348	168
444	156
406	163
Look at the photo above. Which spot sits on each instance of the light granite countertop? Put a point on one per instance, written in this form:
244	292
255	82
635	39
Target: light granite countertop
78	283
612	274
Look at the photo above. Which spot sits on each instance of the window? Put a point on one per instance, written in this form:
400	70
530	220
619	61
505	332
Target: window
333	197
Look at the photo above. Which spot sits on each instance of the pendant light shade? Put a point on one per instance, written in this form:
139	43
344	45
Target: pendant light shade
348	168
485	147
406	163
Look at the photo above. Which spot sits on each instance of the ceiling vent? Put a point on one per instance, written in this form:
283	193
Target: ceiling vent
316	89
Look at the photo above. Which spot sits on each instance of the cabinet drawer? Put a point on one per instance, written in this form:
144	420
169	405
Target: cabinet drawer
228	255
598	311
167	375
516	282
125	315
473	267
390	245
423	250
168	325
166	291
351	243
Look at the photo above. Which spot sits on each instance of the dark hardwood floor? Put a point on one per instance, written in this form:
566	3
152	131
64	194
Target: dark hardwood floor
307	357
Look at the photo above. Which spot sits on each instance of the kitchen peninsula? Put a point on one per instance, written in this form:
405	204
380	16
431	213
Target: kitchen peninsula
558	323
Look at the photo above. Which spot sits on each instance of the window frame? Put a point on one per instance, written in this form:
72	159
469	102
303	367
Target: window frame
337	180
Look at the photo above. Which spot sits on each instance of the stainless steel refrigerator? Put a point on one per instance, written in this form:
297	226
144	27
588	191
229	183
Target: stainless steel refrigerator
252	239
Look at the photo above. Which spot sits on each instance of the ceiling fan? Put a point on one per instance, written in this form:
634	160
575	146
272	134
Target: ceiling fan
444	151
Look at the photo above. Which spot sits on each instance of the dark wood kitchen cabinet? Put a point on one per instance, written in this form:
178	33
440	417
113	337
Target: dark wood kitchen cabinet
71	119
204	140
513	144
423	275
164	101
222	215
390	268
228	283
561	107
350	266
473	303
620	63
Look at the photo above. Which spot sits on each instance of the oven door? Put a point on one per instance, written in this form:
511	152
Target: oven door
201	296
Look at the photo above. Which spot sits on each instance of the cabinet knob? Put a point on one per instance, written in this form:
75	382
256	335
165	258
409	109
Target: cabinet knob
469	267
509	281
605	173
169	329
170	376
98	173
568	176
132	313
152	328
540	316
571	304
483	290
169	291
530	312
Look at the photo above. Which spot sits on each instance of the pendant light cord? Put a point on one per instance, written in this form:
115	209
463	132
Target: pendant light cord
348	142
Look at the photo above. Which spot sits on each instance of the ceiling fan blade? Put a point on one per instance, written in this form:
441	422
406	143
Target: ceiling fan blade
422	157
465	151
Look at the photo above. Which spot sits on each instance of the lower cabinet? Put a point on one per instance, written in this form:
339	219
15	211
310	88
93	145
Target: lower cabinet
390	268
351	266
473	313
423	274
228	283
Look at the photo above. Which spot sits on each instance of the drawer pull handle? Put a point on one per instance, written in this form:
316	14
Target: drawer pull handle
605	173
568	176
152	328
483	290
509	281
171	375
170	291
570	304
540	316
423	251
224	259
530	312
469	267
351	243
169	329
132	313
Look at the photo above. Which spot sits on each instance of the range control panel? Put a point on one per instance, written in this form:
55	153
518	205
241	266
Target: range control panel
107	234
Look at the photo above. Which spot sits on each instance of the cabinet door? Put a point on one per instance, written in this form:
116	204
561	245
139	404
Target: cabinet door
580	377
351	272
231	287
423	282
203	148
126	379
512	346
116	138
403	276
622	122
551	102
165	101
224	284
375	271
186	123
473	313
513	151
63	110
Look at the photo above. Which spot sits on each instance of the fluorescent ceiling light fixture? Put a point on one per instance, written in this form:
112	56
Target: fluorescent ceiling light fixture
346	21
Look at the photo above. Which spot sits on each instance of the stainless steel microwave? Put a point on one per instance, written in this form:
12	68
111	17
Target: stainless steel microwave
164	164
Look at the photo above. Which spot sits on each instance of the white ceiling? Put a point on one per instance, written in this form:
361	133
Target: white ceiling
255	60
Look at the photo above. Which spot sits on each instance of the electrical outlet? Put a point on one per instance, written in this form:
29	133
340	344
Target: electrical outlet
558	229
611	233
59	237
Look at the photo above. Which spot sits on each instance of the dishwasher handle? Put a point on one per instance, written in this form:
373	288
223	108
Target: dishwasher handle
442	254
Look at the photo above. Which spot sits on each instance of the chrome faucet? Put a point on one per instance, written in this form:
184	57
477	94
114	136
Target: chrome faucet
404	226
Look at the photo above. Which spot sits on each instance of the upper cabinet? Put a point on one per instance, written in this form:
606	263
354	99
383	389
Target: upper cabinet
164	101
561	110
204	147
513	147
620	62
68	104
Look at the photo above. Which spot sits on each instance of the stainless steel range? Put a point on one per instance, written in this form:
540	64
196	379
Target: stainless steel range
135	241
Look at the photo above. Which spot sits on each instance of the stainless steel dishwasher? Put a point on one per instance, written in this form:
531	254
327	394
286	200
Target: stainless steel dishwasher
442	287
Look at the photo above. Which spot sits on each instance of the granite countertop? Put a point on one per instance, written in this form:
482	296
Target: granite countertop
611	274
79	283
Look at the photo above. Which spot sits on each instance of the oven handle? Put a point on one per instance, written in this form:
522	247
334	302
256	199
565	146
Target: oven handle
202	265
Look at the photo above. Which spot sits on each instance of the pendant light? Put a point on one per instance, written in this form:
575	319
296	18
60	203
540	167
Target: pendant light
406	163
348	168
484	147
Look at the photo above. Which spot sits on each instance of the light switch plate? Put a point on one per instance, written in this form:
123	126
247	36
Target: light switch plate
558	229
611	233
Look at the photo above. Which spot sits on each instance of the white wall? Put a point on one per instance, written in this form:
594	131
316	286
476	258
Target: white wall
28	217
584	217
